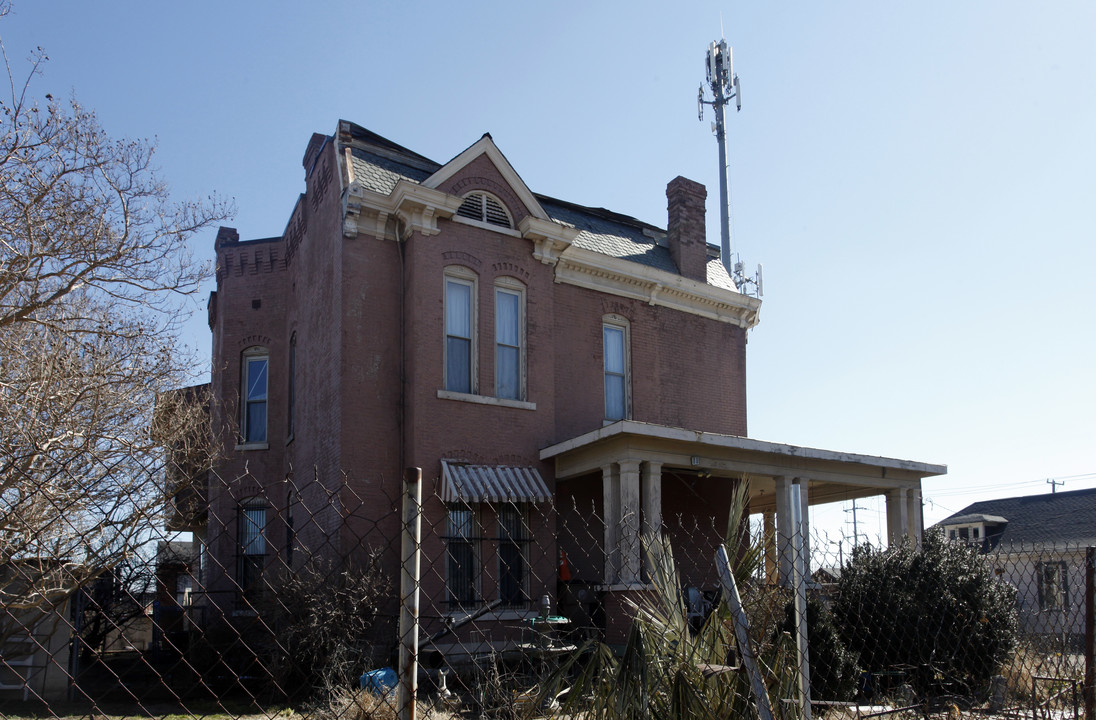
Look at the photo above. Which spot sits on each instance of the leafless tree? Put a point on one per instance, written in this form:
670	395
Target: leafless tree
96	276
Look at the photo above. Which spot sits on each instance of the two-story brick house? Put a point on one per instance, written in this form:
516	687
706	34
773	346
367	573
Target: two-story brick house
527	353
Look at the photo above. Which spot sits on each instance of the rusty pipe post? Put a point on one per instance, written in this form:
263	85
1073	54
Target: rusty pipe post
409	592
1090	633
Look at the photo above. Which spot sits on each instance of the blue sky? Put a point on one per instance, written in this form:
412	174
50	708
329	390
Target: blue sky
917	178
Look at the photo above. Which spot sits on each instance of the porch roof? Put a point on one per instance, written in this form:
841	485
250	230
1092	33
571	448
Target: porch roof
833	475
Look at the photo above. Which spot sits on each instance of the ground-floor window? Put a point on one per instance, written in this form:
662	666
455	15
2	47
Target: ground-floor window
513	548
251	544
1053	586
505	555
462	567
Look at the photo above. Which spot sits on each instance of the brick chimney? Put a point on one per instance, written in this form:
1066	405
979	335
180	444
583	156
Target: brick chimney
685	227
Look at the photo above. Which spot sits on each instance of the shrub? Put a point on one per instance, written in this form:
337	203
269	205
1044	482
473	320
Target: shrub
325	617
834	672
937	614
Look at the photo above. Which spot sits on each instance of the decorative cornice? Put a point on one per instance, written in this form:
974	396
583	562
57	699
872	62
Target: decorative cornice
418	207
549	238
594	271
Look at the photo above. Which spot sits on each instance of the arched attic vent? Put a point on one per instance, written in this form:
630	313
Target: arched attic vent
485	208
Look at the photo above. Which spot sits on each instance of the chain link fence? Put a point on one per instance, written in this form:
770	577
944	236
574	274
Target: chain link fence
287	600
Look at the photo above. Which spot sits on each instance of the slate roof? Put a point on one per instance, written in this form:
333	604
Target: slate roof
600	230
1054	518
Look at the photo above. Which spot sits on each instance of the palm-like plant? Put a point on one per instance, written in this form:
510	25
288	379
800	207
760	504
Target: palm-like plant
668	671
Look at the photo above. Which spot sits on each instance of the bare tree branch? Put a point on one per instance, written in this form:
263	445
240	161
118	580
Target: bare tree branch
96	275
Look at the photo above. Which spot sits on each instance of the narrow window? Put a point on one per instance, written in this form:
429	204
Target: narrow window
459	349
513	542
253	416
291	419
461	563
251	541
616	371
508	350
1053	586
290	534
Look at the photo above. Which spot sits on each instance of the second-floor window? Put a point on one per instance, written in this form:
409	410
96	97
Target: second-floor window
615	346
508	342
459	325
253	416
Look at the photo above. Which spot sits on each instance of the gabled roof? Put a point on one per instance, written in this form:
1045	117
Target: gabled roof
1064	517
377	164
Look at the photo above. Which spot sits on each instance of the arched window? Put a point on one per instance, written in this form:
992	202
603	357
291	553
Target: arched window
485	208
614	333
253	395
460	329
509	339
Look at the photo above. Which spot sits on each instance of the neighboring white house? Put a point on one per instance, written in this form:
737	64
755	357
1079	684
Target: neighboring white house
1038	545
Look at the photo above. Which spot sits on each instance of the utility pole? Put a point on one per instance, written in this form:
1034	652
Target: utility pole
1054	485
855	526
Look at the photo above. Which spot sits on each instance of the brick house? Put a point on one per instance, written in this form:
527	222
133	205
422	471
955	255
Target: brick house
529	354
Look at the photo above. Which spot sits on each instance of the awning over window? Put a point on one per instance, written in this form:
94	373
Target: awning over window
491	483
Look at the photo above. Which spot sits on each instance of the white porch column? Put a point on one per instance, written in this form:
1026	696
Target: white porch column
652	502
610	495
898	525
805	528
630	547
768	525
784	528
914	515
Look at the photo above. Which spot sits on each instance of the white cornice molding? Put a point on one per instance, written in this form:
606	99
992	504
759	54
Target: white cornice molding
486	146
366	211
549	237
594	271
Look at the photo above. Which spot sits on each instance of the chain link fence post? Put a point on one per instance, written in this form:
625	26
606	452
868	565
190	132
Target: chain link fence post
1090	633
410	544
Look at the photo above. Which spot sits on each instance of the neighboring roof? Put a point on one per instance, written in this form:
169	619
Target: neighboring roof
975	518
1063	517
491	483
383	163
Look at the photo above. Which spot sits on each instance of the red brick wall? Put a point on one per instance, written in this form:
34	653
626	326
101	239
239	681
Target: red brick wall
368	318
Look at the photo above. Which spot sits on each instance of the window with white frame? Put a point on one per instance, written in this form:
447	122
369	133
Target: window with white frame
614	333
486	208
460	324
509	339
513	555
253	395
251	546
461	553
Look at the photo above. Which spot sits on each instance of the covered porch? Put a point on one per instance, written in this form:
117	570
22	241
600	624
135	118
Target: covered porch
625	467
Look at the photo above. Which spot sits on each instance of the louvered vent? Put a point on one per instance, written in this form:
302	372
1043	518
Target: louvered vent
483	207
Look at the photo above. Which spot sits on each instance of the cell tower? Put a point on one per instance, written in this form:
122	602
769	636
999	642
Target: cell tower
724	85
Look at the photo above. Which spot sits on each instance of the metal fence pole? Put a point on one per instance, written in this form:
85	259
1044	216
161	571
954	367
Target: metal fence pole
799	585
1090	633
409	592
742	633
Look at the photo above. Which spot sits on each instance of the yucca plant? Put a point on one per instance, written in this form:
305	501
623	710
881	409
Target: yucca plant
667	671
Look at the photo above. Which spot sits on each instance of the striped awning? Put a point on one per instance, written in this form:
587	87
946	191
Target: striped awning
491	483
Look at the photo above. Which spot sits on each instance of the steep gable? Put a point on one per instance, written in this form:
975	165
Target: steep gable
483	167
